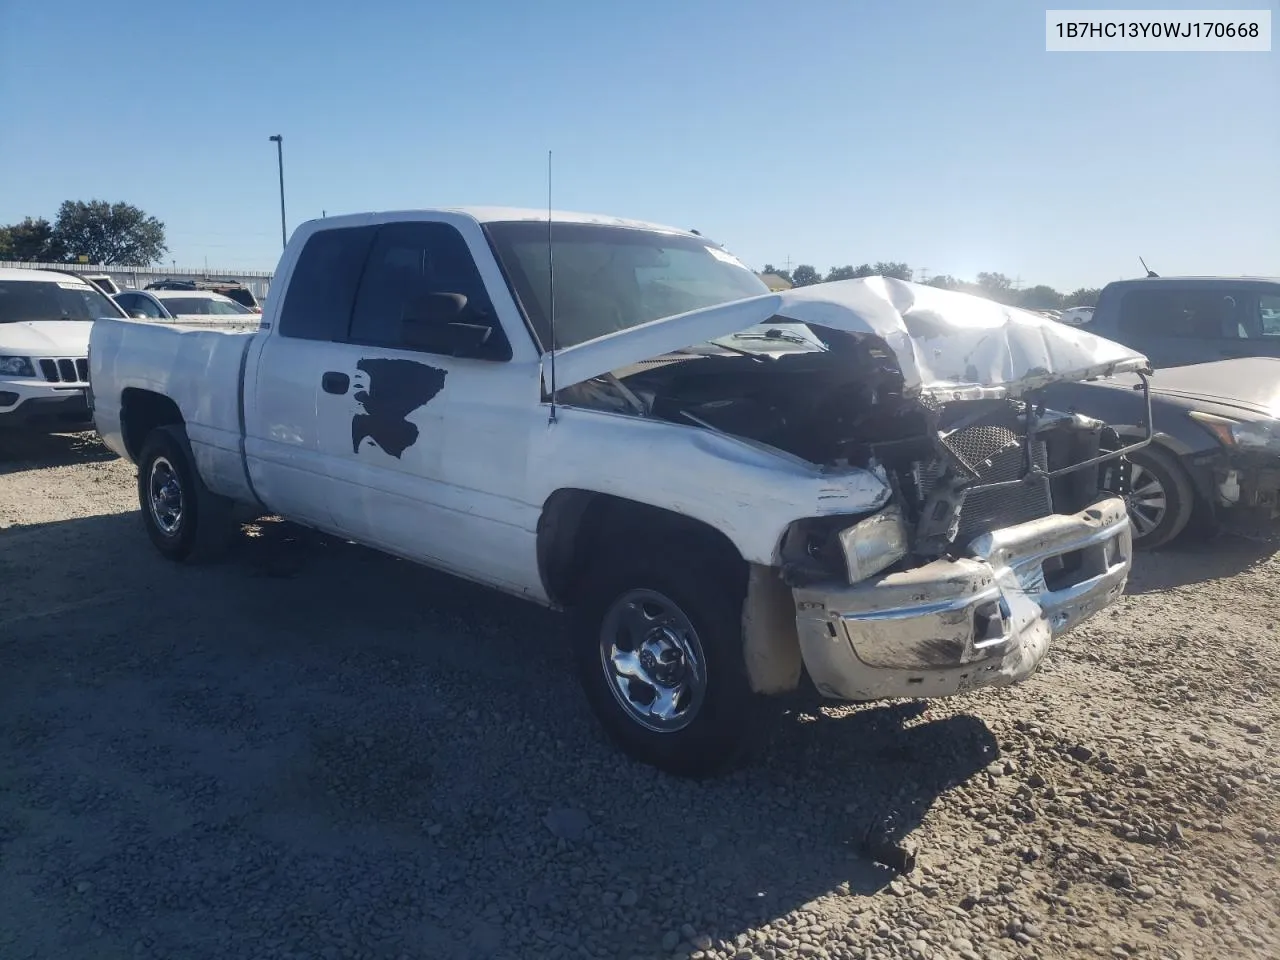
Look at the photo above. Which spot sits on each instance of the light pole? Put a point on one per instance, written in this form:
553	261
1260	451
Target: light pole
279	141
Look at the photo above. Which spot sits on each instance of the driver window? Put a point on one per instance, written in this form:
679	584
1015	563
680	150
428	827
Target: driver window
407	262
140	304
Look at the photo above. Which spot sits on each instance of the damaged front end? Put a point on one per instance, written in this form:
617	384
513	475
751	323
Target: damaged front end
996	531
998	538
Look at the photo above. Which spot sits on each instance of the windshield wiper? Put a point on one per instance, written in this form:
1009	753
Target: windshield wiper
779	335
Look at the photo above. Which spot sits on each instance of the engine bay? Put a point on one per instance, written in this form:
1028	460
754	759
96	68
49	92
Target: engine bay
841	404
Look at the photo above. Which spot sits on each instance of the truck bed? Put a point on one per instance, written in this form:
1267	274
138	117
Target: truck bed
201	369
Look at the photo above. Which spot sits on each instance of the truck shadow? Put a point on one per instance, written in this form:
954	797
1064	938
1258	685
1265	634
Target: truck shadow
1190	561
22	450
393	728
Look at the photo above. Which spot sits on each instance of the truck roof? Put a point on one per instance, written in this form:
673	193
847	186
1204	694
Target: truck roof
1190	281
482	214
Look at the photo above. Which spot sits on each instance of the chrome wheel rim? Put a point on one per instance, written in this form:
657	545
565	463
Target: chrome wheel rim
165	496
1147	500
653	661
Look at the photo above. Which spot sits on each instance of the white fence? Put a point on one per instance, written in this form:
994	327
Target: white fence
259	281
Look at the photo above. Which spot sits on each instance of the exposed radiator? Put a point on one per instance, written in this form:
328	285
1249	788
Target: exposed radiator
994	454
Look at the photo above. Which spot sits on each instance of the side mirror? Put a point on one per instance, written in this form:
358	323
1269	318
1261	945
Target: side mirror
435	322
139	315
434	309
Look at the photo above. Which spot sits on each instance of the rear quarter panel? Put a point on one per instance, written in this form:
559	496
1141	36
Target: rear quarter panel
199	370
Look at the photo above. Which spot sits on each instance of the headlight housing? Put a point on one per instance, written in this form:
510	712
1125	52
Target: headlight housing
17	366
823	549
875	543
1255	435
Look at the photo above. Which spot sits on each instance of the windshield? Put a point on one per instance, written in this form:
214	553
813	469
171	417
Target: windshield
613	278
204	306
23	300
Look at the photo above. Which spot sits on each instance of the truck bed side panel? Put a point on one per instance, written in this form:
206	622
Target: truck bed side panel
199	370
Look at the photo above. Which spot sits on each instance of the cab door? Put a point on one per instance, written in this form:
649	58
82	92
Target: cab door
399	409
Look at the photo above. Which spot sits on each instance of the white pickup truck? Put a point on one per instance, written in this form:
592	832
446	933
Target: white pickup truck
725	487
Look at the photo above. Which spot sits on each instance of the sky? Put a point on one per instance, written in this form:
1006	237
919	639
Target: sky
829	132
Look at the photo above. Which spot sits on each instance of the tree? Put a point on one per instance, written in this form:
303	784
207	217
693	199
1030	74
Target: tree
899	271
840	273
1082	297
804	275
770	268
996	286
1040	297
866	270
31	241
944	280
109	232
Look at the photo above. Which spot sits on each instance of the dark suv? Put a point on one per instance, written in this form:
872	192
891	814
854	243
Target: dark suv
1181	320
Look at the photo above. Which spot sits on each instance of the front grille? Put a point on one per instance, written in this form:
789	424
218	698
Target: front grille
65	370
975	446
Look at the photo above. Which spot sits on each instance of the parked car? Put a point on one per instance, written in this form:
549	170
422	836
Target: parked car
1076	316
1181	320
187	306
1215	456
45	317
234	289
722	485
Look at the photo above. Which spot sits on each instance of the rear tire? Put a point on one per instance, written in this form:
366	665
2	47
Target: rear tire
185	521
670	618
1160	500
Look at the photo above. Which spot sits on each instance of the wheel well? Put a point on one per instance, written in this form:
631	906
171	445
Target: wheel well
141	411
575	525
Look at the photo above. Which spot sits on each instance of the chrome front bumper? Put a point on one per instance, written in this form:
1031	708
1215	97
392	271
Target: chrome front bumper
978	621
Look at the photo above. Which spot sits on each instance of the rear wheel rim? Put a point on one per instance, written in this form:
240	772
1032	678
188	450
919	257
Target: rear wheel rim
164	496
653	661
1147	500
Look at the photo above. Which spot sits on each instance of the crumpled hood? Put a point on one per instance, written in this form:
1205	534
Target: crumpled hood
949	345
45	338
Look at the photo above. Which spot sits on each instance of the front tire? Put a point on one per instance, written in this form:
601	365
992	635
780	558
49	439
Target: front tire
185	521
658	647
1160	498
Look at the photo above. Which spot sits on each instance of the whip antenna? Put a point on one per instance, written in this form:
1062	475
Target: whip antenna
551	294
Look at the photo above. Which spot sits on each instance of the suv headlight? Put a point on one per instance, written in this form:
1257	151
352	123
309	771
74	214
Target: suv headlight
17	366
1255	435
875	543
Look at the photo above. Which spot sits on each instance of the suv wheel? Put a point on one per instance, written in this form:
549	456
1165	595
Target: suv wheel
1160	498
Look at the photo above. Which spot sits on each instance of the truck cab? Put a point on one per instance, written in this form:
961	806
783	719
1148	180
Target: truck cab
1176	321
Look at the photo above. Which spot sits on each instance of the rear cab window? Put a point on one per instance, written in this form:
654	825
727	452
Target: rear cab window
322	288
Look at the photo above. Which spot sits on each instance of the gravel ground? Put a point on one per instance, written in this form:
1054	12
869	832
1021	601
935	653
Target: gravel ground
234	762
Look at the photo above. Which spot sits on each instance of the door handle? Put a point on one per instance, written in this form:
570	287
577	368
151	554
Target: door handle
335	382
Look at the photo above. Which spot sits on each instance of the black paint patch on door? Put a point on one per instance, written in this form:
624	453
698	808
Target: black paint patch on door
395	389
